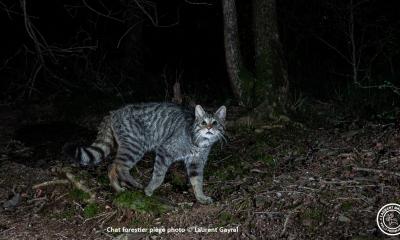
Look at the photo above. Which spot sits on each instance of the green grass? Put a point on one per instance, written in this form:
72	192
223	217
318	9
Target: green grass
178	181
79	195
226	218
141	203
91	210
346	206
315	214
103	180
66	214
268	160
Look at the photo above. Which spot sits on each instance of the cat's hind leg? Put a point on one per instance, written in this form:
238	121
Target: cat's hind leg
120	177
128	154
114	179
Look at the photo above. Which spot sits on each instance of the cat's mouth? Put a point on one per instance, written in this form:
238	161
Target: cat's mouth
209	133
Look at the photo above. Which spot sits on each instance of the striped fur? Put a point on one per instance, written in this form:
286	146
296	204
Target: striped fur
98	150
174	133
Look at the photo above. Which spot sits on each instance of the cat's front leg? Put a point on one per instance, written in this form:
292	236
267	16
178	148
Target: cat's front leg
195	173
161	165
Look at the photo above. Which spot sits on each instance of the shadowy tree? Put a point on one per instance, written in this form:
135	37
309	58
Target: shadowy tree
232	51
266	89
271	79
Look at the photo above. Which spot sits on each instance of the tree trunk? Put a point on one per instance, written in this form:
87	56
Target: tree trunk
232	49
271	78
268	88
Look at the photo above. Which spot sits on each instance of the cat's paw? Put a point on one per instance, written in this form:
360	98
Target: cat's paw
148	192
205	200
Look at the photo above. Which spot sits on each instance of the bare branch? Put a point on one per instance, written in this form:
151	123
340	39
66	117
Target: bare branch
79	184
101	14
50	183
198	3
333	48
126	32
385	172
155	20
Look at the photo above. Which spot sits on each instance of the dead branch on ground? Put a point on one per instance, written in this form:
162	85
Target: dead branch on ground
50	183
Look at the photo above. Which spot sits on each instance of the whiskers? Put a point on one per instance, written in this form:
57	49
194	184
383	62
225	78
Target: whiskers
221	137
197	137
204	139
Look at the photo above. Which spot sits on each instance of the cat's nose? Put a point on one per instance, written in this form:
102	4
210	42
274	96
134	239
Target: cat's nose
209	127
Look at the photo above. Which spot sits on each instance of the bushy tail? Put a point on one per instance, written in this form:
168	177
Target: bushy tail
95	153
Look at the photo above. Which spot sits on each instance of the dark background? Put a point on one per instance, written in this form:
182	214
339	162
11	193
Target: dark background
113	49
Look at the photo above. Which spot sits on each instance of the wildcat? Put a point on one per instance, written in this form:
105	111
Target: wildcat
174	133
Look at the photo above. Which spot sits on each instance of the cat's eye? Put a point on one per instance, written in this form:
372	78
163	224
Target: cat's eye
215	123
203	123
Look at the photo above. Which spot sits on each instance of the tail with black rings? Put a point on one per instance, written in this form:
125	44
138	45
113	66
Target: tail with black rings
97	151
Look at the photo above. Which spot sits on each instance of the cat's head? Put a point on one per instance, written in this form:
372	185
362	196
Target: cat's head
209	128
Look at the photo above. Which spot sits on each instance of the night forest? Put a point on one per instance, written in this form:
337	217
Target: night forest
311	88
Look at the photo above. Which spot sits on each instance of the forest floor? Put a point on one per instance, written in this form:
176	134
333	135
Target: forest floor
321	179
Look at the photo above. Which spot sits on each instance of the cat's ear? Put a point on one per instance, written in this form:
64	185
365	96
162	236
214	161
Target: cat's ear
199	112
221	113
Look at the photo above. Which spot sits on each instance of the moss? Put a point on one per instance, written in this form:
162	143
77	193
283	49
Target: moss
79	195
67	214
136	222
269	138
217	172
139	202
91	210
346	206
103	180
226	218
232	170
178	182
365	238
268	160
314	216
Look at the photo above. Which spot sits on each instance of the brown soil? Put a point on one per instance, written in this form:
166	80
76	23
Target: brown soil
281	181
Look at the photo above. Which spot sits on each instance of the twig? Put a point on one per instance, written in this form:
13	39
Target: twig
308	188
257	171
106	214
285	224
49	183
127	31
177	93
101	14
79	185
287	219
59	234
79	205
37	199
58	198
2	232
361	169
107	218
270	214
198	3
154	21
340	182
223	159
